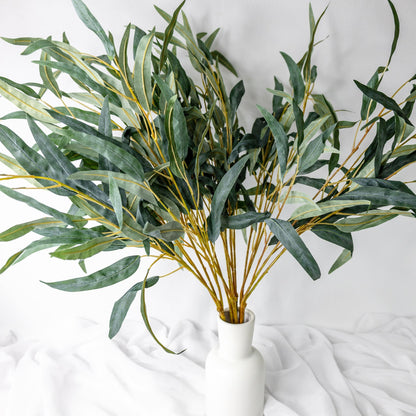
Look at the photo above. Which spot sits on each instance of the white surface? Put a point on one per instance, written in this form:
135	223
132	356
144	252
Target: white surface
381	276
310	372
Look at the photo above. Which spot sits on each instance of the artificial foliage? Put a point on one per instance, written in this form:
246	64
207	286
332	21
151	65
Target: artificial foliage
147	146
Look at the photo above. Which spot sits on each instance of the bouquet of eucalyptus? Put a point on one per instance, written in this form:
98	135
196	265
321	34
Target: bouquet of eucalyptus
150	152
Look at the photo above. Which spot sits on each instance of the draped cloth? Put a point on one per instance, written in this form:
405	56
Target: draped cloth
310	371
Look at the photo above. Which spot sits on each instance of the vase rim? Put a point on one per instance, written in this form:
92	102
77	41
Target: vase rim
249	316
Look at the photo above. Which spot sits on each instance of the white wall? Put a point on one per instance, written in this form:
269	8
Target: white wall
381	276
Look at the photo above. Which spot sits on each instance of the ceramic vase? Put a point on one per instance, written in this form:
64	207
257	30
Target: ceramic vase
235	375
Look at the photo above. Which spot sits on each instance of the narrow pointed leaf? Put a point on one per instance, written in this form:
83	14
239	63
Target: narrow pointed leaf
341	260
382	196
115	199
220	197
334	235
142	79
170	231
295	78
168	35
309	211
120	270
25	102
290	239
22	229
240	221
85	250
143	311
122	306
280	138
67	219
92	23
384	100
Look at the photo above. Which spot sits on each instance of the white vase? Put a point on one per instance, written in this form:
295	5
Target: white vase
235	375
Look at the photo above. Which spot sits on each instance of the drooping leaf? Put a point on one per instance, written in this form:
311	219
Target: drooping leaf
381	196
25	102
143	311
67	219
220	197
122	306
122	180
170	231
240	221
22	87
22	229
120	270
383	99
334	235
341	260
308	211
218	56
290	239
364	221
85	250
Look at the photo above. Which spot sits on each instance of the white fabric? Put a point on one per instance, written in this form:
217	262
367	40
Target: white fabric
310	372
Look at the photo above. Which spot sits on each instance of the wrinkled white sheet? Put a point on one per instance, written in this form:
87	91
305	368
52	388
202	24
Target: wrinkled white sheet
311	372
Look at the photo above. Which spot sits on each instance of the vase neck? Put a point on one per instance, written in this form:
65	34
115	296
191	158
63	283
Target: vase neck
235	340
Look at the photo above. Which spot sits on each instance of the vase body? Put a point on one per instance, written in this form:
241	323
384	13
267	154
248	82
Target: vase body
235	375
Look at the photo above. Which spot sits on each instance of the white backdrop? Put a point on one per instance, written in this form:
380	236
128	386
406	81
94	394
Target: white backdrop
381	275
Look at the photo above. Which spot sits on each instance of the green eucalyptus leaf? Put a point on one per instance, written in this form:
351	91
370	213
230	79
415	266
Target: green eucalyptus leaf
67	219
115	199
170	231
332	234
341	260
297	112
124	160
142	78
240	221
236	94
122	306
383	99
218	56
312	153
143	311
92	23
364	221
22	229
396	31
290	239
308	211
85	250
295	78
381	196
22	87
280	137
25	102
120	270
220	197
122	180
168	35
